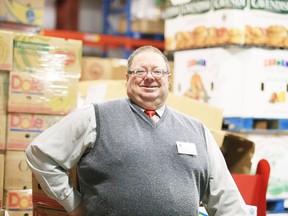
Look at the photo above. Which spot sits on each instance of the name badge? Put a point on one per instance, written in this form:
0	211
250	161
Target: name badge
186	148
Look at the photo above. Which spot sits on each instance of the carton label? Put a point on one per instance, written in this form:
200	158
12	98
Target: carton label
23	128
24	84
20	200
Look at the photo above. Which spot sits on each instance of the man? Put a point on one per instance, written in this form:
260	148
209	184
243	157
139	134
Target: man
131	164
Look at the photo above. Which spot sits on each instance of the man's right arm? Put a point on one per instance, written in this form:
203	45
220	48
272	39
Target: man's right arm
57	150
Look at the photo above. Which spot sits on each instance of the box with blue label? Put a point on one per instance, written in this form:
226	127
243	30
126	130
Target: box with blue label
252	210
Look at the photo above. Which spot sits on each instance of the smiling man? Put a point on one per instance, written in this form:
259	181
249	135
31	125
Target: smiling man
148	78
135	156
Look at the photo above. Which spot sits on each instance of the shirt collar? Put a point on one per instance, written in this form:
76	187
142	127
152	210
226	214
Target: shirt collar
159	111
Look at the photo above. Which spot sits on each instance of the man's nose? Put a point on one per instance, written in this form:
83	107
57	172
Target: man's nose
149	74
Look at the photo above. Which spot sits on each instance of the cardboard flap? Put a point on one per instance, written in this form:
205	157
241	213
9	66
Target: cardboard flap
209	115
238	152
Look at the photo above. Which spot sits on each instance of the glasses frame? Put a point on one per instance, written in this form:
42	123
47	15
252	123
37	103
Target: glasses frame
162	72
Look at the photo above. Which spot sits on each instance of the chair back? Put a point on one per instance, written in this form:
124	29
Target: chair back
253	188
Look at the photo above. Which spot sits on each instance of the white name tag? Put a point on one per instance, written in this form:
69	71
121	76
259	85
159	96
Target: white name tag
186	148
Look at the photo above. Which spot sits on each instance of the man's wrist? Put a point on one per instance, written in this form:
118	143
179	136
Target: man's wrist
72	201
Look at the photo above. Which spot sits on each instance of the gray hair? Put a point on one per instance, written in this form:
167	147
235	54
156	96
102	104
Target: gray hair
147	49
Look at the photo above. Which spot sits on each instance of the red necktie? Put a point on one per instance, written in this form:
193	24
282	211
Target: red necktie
150	113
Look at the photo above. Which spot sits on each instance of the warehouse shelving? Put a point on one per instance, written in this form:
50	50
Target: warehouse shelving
19	27
108	11
112	8
118	9
103	41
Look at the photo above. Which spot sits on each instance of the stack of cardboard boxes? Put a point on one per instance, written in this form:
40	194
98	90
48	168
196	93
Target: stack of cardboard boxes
210	23
233	55
14	173
39	85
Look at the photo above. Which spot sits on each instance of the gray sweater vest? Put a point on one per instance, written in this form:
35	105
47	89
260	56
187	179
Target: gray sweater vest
134	167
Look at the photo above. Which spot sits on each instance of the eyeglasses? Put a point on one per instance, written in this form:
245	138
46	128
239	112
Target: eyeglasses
140	73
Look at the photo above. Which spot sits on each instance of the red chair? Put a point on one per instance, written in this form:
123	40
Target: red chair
253	188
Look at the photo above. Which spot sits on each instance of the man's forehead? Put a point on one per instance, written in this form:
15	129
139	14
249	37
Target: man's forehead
148	57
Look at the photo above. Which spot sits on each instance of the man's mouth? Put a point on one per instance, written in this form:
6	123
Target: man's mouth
149	86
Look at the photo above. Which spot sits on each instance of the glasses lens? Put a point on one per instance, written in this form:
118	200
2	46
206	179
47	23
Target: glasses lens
158	73
140	73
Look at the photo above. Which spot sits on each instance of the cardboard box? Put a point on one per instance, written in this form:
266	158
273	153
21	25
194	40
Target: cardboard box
51	55
212	76
2	160
47	210
171	80
4	85
6	49
266	24
20	213
19	202
3	212
3	126
29	12
100	90
209	115
18	175
97	68
144	26
192	25
237	150
23	128
40	198
214	23
119	68
266	78
244	82
42	93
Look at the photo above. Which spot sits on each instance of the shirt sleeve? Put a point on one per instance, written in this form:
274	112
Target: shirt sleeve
222	196
58	149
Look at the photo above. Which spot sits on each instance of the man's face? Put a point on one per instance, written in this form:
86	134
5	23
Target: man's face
148	92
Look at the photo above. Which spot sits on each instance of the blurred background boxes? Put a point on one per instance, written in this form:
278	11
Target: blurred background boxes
28	12
3	118
244	82
97	68
6	49
4	86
